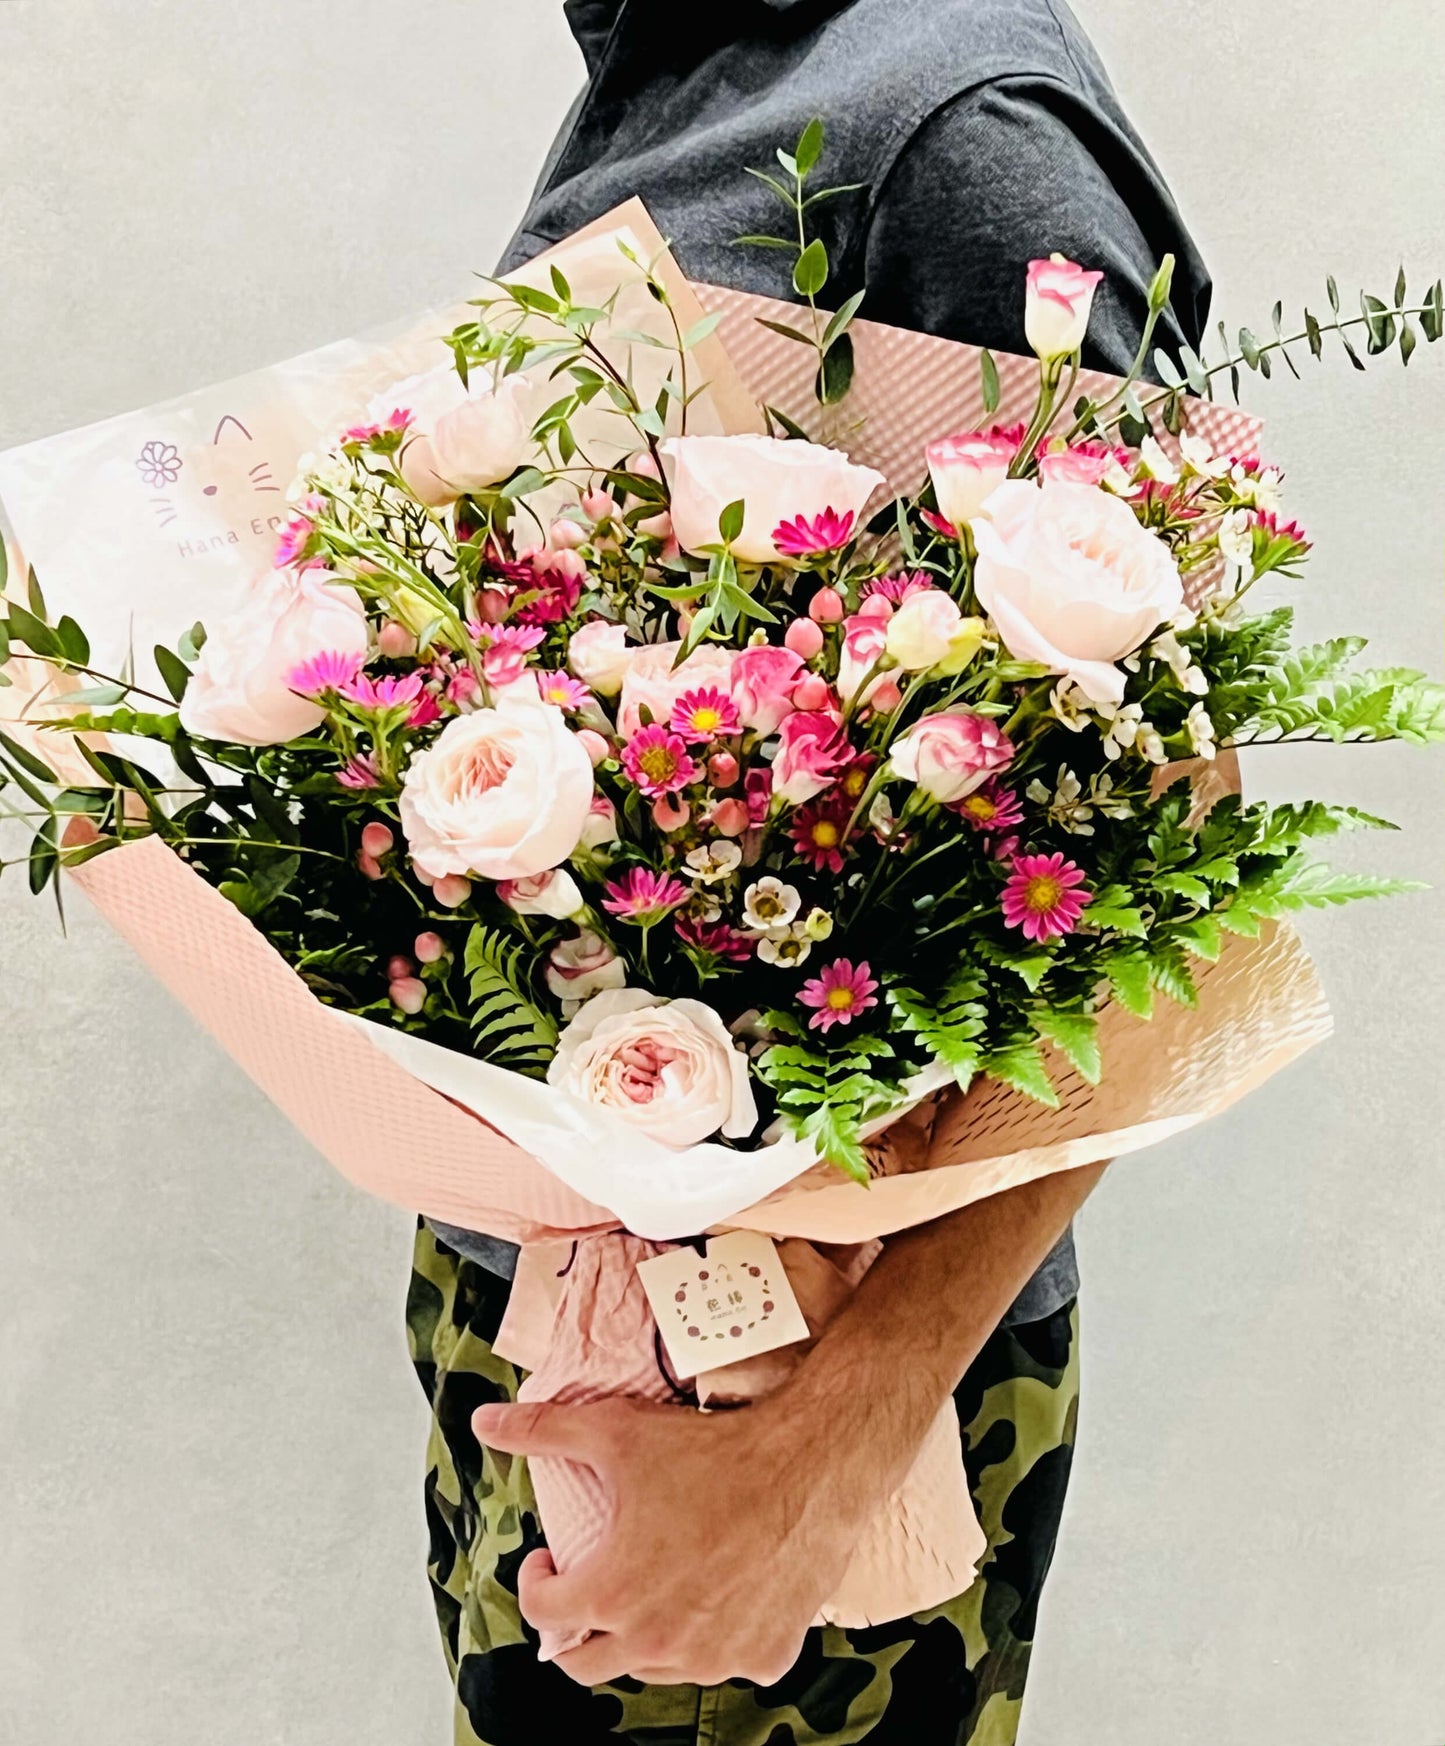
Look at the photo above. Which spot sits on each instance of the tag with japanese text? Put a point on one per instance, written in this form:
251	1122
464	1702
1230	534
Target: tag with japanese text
731	1302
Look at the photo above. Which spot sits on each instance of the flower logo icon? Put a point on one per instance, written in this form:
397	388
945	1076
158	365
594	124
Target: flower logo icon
159	464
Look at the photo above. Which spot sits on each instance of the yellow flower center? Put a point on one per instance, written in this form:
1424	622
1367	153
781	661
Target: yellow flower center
840	999
979	806
825	833
706	720
1042	894
658	764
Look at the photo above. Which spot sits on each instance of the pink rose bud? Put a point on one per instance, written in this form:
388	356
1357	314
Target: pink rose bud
398	969
430	948
369	865
643	465
594	745
722	767
567	563
730	818
811	692
395	641
564	534
804	638
886	697
670	814
452	890
876	606
376	840
599	506
826	606
409	994
492	605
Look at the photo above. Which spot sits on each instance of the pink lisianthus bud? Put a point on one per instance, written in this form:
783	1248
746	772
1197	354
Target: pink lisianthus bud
376	840
369	865
564	535
758	787
669	813
812	749
452	890
582	967
876	606
804	638
596	748
599	506
811	692
865	642
886	697
950	754
430	948
408	994
399	968
966	470
492	605
826	606
730	818
599	828
395	641
722	769
1058	299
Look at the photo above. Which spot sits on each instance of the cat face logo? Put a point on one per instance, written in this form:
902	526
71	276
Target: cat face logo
171	475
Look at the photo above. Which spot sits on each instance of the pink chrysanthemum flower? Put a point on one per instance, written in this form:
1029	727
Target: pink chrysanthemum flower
332	670
392	425
897	589
704	713
991	807
563	690
716	939
1042	896
359	772
424	711
643	896
388	693
839	993
817	831
1270	525
815	536
294	537
657	760
548	597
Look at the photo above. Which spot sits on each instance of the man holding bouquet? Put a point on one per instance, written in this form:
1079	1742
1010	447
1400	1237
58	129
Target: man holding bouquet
982	133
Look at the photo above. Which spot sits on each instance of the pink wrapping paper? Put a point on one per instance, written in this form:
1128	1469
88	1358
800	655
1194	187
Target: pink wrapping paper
578	1320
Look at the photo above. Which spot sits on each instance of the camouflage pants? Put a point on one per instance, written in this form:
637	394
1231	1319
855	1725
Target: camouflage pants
950	1677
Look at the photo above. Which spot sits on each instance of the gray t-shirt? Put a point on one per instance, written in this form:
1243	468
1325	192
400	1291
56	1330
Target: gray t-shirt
984	132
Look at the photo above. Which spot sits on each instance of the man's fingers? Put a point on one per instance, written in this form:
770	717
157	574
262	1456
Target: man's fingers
538	1428
553	1602
600	1659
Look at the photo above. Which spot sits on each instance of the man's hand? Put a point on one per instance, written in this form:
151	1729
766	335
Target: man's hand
727	1532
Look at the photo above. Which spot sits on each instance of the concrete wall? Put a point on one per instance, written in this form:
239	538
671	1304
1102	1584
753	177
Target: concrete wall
209	1437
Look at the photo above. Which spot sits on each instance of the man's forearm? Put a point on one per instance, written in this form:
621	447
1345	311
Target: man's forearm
879	1372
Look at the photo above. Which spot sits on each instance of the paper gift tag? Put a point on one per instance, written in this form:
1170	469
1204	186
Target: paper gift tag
731	1302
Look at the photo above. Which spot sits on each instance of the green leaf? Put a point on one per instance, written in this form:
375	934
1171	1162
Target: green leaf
1111	909
1131	983
730	522
258	890
1022	1066
1301	883
789	425
27	761
1185	885
44	856
835	1130
810	270
989	382
700	330
508	1025
842	317
766	242
1076	1036
38	637
835	376
1432	313
33	594
810	147
173	671
1200	936
792	333
1170	973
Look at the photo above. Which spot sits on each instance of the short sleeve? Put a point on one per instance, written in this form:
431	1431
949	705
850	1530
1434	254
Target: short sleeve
1006	173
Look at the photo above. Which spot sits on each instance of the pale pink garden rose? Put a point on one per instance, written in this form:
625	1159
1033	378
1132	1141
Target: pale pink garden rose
812	750
240	689
776	481
600	655
599	828
577	969
669	1068
476	443
920	634
966	470
553	894
651	679
502	793
1058	299
762	679
1073	581
950	754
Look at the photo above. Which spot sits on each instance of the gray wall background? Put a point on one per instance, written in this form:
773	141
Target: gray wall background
210	1441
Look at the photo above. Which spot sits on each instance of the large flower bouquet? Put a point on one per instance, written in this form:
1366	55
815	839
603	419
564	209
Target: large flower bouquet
709	786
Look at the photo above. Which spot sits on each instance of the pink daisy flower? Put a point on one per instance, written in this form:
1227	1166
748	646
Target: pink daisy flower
1042	896
991	807
657	760
294	537
840	993
897	589
360	772
332	670
563	690
389	693
704	713
424	711
806	537
817	831
395	422
548	597
643	896
716	939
